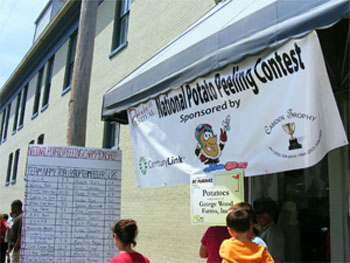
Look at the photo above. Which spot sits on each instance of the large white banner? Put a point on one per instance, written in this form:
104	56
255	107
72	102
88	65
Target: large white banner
269	113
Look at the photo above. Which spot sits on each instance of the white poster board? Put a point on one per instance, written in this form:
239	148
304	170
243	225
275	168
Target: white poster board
213	194
72	200
271	112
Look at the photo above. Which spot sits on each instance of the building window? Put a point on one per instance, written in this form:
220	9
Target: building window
47	88
9	169
18	104
121	22
70	62
38	93
6	122
23	106
41	139
3	117
32	142
111	135
15	167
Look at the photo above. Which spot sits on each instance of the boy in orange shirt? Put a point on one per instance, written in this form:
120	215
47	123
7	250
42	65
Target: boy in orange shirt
240	248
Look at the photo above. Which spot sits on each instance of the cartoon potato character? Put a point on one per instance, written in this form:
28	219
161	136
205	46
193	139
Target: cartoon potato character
208	148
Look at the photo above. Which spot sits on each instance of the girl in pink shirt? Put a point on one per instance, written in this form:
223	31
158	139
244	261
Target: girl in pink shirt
124	233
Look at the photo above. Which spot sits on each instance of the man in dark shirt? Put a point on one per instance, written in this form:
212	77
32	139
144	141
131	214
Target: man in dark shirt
15	234
266	213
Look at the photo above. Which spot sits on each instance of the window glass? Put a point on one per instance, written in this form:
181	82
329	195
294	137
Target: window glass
18	105
302	211
23	105
121	24
41	139
9	169
48	82
70	61
7	121
38	92
111	135
3	118
15	167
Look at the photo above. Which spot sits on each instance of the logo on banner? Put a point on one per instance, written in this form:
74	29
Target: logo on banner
199	181
293	142
143	165
289	127
146	165
209	149
141	114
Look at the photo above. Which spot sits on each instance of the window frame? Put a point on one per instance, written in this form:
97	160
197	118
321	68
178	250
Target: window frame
41	138
18	104
38	93
15	167
47	86
9	169
70	62
2	128
111	135
8	110
23	106
121	26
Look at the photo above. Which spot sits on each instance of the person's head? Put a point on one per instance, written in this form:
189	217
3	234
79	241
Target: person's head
5	216
125	231
246	206
16	207
266	211
238	221
242	205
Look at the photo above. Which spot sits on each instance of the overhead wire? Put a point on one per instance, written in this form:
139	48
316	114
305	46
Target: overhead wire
8	17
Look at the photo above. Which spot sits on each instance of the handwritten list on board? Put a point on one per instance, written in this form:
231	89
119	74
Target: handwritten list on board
72	200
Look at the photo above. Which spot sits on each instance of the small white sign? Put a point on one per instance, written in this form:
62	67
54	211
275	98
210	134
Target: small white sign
213	194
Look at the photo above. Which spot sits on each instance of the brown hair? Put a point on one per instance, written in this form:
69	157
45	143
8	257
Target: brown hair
242	205
239	220
126	230
245	206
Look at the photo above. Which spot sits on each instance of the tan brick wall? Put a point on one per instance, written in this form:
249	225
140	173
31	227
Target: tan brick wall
52	122
163	214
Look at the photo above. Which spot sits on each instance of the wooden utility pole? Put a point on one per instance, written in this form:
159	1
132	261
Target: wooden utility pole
80	84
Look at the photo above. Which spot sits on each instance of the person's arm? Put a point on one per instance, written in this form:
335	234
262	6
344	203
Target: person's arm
203	253
267	258
18	242
276	246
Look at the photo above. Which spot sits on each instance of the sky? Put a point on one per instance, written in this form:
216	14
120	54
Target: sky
17	29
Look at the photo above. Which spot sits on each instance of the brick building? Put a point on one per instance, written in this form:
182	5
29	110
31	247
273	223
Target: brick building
34	109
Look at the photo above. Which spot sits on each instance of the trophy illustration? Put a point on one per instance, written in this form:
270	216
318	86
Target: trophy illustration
293	142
